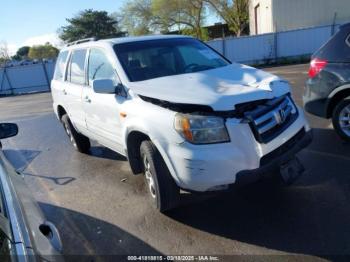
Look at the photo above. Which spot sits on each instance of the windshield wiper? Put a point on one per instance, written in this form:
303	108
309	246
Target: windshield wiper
202	68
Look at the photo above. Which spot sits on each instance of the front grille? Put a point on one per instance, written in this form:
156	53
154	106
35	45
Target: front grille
270	119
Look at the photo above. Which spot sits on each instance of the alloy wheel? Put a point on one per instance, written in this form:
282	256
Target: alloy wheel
69	133
149	177
344	120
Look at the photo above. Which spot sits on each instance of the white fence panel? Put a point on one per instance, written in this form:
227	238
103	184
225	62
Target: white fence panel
302	42
4	82
250	49
217	45
50	69
266	47
29	76
26	78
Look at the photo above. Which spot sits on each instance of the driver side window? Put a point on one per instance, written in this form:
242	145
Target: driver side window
100	67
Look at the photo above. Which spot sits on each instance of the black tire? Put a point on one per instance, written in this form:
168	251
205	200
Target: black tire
80	142
165	194
345	103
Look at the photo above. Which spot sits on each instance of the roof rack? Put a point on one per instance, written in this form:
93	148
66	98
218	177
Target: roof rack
80	41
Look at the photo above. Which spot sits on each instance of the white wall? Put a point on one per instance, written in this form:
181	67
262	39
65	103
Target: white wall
284	15
295	14
265	16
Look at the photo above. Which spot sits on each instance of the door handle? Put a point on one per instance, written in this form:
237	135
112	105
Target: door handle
64	92
87	99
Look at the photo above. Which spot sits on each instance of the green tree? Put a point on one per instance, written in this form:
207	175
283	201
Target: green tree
43	51
90	23
235	13
22	53
137	17
186	16
142	17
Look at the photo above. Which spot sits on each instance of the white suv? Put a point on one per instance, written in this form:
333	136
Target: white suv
180	112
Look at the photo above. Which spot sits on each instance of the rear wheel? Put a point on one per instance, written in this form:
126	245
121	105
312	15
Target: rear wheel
341	119
80	142
163	191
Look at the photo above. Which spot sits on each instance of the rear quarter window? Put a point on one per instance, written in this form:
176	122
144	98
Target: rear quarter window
60	65
337	49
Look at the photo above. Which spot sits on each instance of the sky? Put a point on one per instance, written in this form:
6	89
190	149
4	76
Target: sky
33	22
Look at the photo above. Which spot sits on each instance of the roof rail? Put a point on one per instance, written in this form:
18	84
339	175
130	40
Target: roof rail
80	41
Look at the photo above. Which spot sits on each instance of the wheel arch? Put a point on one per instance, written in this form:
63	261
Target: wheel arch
60	111
335	97
133	143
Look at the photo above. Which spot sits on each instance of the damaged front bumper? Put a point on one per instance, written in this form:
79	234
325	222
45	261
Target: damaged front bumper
272	162
202	168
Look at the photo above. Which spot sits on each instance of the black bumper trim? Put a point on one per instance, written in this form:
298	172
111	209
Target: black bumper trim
290	148
317	107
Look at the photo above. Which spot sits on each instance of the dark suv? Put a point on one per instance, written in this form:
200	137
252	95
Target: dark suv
327	92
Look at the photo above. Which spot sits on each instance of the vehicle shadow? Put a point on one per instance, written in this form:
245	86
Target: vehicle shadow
60	181
104	152
21	159
310	217
83	236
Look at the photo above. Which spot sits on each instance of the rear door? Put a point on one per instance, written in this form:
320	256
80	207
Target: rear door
102	111
75	81
57	83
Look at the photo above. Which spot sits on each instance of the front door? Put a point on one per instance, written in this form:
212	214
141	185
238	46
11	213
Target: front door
102	111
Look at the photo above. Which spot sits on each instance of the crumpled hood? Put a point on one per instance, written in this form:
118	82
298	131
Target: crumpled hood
220	88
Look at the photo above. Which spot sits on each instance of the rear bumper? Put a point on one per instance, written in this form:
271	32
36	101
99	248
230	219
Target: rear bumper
276	158
317	107
315	99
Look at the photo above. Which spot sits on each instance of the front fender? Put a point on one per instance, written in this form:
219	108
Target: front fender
159	129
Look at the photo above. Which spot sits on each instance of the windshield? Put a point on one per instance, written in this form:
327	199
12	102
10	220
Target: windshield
145	60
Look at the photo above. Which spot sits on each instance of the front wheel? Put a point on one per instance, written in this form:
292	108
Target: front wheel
341	119
163	191
80	142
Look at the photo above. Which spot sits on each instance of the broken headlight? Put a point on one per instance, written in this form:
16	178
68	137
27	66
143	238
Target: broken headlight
198	129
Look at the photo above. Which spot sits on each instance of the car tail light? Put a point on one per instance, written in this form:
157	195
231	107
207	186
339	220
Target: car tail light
316	66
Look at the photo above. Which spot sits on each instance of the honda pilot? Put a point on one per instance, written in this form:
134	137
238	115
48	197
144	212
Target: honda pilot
184	116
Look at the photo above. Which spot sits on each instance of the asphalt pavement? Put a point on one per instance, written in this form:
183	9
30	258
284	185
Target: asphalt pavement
101	208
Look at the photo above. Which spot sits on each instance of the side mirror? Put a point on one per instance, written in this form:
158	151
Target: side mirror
104	86
8	130
120	91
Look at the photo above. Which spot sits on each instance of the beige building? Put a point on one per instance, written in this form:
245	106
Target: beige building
268	16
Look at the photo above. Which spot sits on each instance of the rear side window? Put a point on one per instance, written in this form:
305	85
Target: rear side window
348	41
60	65
76	70
100	67
337	49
